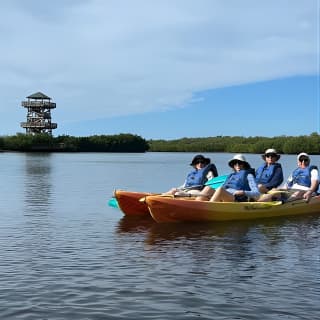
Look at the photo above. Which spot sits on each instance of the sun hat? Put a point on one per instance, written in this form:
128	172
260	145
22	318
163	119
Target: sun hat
302	154
239	157
271	151
200	157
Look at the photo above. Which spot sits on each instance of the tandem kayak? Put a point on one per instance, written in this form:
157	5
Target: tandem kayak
165	209
128	201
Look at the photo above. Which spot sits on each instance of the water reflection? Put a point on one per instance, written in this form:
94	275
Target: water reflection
82	260
240	233
134	224
38	185
224	253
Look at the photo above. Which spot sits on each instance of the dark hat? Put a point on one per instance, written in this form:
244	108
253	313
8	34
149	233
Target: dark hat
271	151
239	157
200	157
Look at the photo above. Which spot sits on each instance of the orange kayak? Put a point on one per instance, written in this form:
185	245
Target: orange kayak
129	204
166	209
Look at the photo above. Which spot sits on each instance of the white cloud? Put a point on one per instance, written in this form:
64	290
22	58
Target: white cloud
105	58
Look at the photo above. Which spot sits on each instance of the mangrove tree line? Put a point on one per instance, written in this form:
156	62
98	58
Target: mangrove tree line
237	144
133	143
97	143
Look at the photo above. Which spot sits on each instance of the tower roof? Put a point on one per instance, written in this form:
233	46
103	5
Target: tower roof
38	95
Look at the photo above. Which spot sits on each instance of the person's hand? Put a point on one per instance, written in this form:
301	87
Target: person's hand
239	193
307	195
262	188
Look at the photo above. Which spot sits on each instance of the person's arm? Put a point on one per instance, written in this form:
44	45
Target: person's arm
288	183
314	175
209	175
254	191
276	179
183	185
314	184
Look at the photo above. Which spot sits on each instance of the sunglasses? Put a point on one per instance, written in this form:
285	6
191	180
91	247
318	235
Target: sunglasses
238	162
200	161
304	160
270	155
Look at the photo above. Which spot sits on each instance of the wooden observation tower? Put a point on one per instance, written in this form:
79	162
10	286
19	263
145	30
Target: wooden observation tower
39	114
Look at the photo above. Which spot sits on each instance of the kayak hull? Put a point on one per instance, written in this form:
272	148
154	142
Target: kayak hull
129	204
178	210
129	201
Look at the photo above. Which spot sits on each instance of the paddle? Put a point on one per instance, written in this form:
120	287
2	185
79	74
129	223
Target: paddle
113	203
280	193
213	183
167	195
277	191
143	199
216	182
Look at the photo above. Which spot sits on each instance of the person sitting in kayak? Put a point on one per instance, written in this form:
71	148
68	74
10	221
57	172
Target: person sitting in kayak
269	175
203	170
240	185
302	183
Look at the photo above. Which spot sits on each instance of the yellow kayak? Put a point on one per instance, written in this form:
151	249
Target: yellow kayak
166	209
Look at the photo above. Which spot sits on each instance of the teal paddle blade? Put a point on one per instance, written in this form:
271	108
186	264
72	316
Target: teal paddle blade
113	203
216	182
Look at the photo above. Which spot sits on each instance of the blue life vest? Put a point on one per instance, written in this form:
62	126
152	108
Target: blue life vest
265	173
238	180
302	176
198	178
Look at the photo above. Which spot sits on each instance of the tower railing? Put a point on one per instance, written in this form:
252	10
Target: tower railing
39	104
39	125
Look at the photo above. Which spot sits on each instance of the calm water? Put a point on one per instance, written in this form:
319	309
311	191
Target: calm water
66	255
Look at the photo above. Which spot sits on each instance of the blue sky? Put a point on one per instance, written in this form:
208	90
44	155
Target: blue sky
163	69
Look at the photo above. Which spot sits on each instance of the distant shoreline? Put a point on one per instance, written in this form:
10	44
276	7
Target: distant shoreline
128	143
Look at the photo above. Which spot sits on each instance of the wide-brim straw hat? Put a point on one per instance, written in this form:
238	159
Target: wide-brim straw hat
239	157
200	157
271	151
